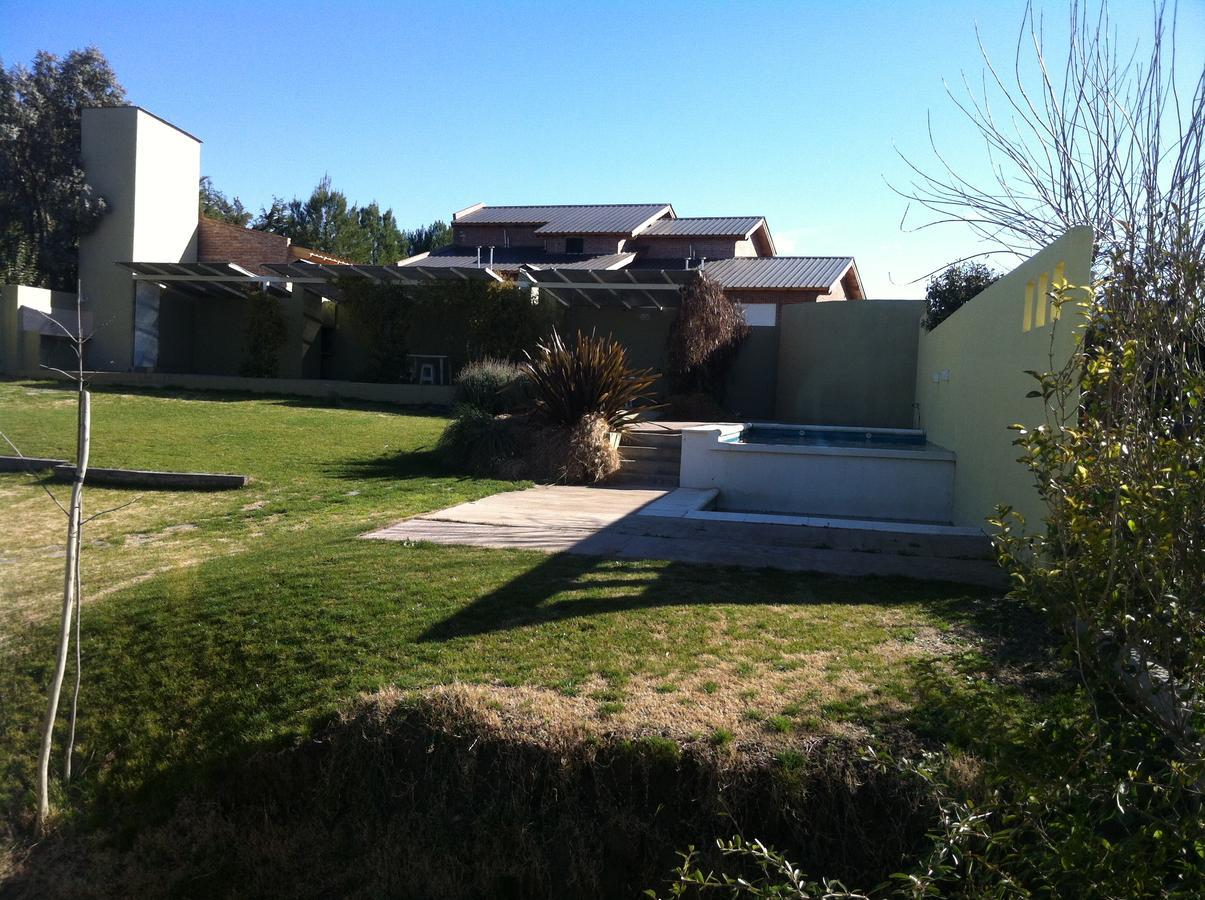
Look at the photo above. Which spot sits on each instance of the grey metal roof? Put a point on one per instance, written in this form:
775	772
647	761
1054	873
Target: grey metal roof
704	226
817	273
513	257
614	218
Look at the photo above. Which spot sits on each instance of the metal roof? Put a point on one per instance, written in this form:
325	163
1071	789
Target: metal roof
816	273
704	226
615	218
511	258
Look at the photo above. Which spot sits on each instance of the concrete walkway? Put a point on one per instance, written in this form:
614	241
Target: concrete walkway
609	522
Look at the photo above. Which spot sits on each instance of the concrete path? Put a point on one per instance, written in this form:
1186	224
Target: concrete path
607	522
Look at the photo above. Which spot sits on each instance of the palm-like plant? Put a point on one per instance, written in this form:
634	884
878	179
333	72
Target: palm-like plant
590	377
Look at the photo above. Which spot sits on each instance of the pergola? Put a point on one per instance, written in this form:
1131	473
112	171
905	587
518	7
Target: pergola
617	288
569	286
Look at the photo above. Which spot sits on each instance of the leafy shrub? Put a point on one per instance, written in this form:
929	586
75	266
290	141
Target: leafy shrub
492	385
591	377
484	444
1120	463
953	287
264	338
464	319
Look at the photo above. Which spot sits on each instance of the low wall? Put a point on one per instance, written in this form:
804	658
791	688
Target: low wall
402	394
20	350
971	382
848	363
905	484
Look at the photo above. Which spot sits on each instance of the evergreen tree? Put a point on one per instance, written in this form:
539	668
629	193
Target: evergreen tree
45	203
216	205
429	237
950	289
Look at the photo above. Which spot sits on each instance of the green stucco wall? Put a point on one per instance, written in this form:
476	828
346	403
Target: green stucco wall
848	363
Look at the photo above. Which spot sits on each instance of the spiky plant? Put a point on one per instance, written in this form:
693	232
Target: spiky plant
589	377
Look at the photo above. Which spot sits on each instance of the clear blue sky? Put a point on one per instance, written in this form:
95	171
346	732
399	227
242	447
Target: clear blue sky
788	110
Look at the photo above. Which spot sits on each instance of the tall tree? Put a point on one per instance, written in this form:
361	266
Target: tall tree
45	203
950	289
385	244
329	223
429	237
216	205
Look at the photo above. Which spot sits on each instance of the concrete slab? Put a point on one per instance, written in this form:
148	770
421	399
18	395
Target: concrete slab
606	522
557	506
28	463
141	478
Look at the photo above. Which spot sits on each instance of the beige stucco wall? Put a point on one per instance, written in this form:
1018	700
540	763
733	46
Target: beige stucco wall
147	171
20	350
848	363
971	382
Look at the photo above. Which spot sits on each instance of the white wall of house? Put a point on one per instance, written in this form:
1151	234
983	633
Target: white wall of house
147	171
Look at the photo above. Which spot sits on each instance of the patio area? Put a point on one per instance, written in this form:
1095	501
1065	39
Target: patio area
634	523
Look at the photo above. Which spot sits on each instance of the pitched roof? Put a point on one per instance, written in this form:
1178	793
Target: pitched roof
817	273
704	226
615	218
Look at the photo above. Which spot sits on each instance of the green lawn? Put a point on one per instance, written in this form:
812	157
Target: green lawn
221	624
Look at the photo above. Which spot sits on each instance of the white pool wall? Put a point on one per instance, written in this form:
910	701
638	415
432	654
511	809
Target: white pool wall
906	484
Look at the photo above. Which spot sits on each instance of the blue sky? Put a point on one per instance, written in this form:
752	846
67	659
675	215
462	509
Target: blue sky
793	111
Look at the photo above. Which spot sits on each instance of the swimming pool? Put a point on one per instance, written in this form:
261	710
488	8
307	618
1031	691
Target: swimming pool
830	436
818	470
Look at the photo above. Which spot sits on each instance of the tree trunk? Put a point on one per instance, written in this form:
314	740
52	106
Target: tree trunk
70	581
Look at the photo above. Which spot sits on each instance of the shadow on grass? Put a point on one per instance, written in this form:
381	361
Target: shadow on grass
424	463
530	600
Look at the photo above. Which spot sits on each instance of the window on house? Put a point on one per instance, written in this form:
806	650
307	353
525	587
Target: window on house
575	245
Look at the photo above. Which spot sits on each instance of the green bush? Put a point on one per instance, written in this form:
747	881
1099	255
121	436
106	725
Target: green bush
591	377
264	338
492	385
483	444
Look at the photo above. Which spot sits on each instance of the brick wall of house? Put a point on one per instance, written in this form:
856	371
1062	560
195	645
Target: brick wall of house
778	296
597	244
681	247
220	242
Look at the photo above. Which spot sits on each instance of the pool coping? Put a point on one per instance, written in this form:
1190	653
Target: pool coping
727	438
692	503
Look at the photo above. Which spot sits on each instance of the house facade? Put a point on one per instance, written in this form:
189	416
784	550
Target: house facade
173	293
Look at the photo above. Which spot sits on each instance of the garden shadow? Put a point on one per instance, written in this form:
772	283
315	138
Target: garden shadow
618	585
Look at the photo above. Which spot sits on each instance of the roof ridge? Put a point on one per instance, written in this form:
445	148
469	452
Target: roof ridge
564	205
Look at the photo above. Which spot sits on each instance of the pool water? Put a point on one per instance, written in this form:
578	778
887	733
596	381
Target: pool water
831	437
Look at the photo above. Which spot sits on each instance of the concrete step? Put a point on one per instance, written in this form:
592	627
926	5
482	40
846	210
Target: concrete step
667	454
642	479
667	439
652	467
